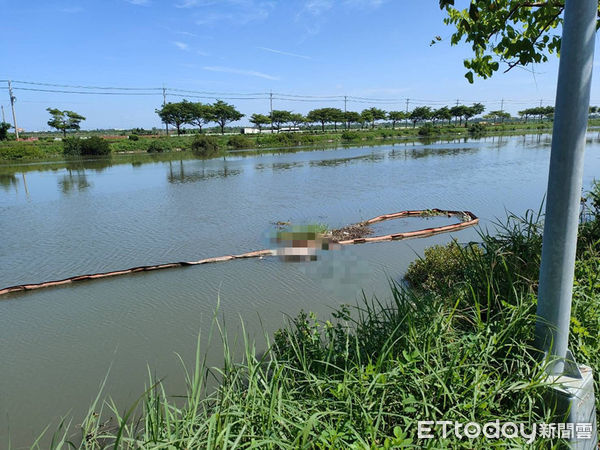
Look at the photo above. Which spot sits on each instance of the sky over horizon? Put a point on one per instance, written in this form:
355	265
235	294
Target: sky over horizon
361	48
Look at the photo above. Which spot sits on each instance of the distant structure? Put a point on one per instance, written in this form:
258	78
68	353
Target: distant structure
252	130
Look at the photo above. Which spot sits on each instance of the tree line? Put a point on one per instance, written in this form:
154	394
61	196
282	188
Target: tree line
200	114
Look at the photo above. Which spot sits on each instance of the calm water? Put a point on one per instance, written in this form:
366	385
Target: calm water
56	345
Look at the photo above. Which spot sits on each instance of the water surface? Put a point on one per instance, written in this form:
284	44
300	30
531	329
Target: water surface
60	220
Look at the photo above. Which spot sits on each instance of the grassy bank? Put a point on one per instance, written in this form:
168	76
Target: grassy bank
455	344
46	148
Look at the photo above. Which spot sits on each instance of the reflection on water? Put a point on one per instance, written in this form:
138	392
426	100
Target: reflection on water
424	152
82	164
279	166
74	180
8	181
333	162
181	175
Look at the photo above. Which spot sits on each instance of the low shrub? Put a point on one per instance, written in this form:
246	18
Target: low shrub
428	129
71	146
205	146
156	147
351	136
134	137
477	128
239	141
438	270
4	127
93	146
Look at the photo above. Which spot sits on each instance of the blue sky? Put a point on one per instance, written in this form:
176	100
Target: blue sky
365	48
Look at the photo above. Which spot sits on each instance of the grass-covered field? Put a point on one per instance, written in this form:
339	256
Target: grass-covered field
454	344
46	148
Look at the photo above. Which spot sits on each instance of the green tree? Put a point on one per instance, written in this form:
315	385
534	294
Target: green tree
336	116
497	114
4	127
351	117
259	120
224	113
457	112
320	115
515	32
396	116
64	120
297	119
176	114
200	114
525	113
375	115
279	117
366	116
419	114
471	111
442	113
548	112
503	115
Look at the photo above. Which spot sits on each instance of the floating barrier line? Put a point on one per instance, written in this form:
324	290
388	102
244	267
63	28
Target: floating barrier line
472	220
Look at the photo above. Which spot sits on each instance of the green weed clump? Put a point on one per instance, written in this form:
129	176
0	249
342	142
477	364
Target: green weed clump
205	146
239	142
156	146
92	146
428	129
477	128
440	268
289	139
29	150
351	136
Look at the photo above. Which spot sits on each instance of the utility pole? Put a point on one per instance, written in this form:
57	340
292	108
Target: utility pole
574	391
406	116
271	108
502	109
457	100
347	125
12	105
3	118
164	103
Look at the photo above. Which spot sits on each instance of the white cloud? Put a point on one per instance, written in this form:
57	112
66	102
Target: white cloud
267	49
139	2
318	7
250	73
186	33
180	45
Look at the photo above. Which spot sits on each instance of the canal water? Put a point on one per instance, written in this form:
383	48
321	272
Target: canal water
64	219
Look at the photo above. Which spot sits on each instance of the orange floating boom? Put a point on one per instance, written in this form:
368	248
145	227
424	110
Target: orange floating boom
472	220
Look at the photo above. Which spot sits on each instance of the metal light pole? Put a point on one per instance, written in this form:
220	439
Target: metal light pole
12	105
575	399
565	178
